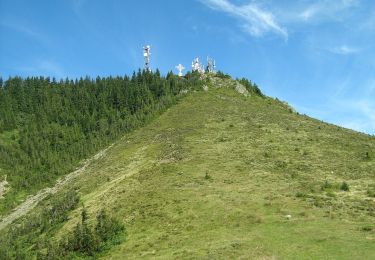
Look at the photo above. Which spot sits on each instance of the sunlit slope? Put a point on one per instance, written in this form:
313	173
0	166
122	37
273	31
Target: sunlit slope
220	175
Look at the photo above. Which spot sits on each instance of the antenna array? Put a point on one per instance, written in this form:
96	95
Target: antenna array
147	56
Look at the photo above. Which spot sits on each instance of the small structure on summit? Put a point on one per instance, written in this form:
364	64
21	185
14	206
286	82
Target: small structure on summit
197	66
180	68
147	57
210	65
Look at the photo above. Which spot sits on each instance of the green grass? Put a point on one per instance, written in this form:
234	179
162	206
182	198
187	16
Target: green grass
9	137
216	176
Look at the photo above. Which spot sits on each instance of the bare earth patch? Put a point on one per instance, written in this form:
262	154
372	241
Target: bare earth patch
4	186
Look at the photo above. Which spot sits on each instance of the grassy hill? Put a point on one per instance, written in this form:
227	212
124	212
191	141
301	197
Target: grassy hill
221	175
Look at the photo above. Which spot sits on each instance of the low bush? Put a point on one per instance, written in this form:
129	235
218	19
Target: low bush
367	228
344	186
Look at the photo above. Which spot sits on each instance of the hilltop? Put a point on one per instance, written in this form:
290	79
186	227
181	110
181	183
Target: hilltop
224	172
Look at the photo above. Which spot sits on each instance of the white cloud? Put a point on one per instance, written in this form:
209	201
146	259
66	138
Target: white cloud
254	20
25	30
326	8
345	50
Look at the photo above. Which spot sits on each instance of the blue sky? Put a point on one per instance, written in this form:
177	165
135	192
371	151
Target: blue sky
319	56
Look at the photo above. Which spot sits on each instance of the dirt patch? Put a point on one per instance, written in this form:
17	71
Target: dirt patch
4	186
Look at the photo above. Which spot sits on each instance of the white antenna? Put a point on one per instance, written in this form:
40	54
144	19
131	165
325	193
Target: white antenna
211	65
147	56
197	66
180	68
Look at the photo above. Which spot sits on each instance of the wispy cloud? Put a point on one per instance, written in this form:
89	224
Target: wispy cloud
25	30
367	109
326	8
355	113
345	50
254	20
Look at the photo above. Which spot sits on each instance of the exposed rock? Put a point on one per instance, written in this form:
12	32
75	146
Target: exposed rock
241	89
4	186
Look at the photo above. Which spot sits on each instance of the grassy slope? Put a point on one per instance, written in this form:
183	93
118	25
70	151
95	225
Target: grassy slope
215	176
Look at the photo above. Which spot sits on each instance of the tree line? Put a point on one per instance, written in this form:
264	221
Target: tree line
47	126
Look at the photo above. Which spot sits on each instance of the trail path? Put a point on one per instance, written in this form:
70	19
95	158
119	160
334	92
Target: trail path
33	200
131	169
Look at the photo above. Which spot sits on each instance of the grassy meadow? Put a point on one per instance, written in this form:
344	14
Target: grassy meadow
224	176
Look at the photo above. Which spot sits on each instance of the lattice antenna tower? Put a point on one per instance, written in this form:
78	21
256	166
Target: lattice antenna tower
211	65
147	57
197	66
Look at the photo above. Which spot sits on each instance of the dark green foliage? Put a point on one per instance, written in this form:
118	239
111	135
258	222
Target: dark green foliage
24	239
300	194
367	228
83	239
31	237
344	186
107	227
89	241
57	124
207	176
251	87
327	185
371	191
221	75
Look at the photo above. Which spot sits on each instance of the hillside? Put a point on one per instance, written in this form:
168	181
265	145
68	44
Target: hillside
221	175
47	126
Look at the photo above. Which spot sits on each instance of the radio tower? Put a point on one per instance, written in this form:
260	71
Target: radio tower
147	56
197	66
211	65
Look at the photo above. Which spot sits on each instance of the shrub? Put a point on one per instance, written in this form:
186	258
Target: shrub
371	192
367	228
221	75
207	176
344	186
300	194
326	185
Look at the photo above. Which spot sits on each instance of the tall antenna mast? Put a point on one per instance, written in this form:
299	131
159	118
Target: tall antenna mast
197	66
147	56
211	65
180	68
